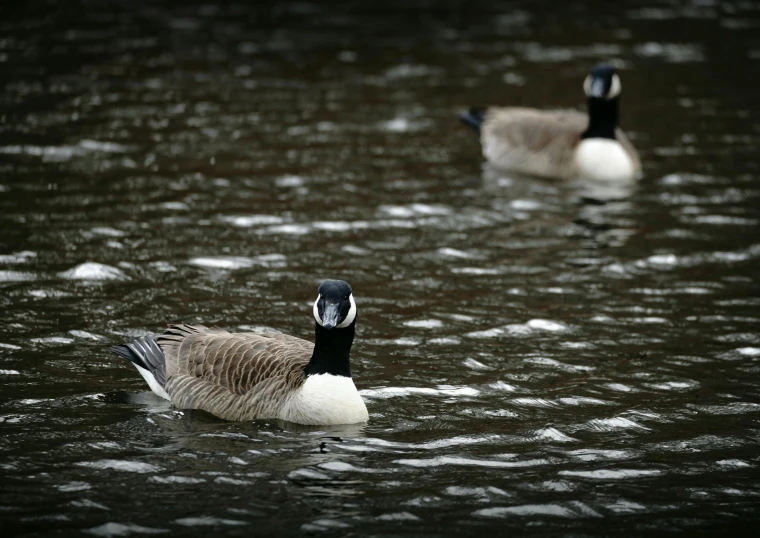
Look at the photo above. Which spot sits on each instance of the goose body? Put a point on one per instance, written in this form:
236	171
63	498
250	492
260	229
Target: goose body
561	144
246	376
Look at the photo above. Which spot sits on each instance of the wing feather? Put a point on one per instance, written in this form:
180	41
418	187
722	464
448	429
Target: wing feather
232	375
533	141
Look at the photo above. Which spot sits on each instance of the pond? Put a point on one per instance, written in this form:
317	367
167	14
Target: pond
538	358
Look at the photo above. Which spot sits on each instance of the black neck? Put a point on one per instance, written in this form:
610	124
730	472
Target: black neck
331	350
602	118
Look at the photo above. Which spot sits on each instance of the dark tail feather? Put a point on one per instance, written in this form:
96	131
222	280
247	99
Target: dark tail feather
143	352
473	118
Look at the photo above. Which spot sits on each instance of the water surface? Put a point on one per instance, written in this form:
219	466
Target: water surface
537	358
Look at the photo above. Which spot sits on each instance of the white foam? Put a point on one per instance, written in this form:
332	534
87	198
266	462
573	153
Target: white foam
407	341
16	276
87	503
535	402
471	363
623	506
396	125
162	266
232	481
615	423
553	434
724	219
671	52
591	454
86	335
52	340
105	147
488	333
612	474
674	385
478	492
319	525
454	253
309	474
663	259
107	232
554	363
175	206
501	385
440	461
48	293
477	271
120	529
424	324
342	467
410	71
398	392
620	387
10	372
333	226
520	329
445	341
17	257
93	271
248	221
48	153
733	464
546	325
461	440
223	262
121	465
527	510
398	516
289	181
207	521
415	210
525	205
582	400
290	229
231	263
73	486
354	250
749	351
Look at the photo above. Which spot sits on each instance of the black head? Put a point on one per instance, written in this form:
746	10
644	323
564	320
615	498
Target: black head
335	306
602	83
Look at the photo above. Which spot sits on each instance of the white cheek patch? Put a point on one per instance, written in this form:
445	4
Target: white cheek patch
351	314
614	87
316	311
587	86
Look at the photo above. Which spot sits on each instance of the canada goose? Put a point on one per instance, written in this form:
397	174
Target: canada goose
563	144
245	376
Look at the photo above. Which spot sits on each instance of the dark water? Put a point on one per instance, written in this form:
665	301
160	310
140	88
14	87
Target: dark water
537	358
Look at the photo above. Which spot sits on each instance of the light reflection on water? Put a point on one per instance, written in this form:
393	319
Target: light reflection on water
536	357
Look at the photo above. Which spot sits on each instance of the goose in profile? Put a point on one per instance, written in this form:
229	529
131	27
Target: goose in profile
246	376
561	144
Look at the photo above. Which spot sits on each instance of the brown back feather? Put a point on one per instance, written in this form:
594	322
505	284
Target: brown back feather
539	142
232	375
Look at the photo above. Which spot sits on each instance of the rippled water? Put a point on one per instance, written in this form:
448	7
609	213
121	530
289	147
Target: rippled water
537	358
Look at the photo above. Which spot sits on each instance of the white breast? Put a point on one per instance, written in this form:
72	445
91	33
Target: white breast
603	159
325	399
